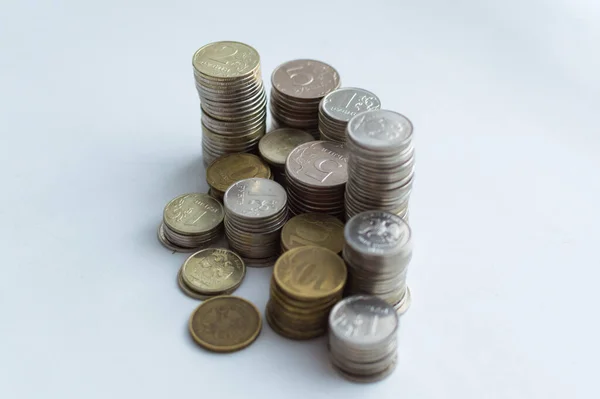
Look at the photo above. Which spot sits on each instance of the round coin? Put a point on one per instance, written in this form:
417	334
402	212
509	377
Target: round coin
378	232
213	270
305	79
275	146
380	130
313	229
228	169
344	103
319	164
255	198
226	60
225	324
193	214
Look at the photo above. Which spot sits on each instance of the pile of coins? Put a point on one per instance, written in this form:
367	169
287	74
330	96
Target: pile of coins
232	96
381	163
275	147
228	169
339	106
191	221
211	272
297	89
377	250
255	212
316	229
307	282
316	178
363	335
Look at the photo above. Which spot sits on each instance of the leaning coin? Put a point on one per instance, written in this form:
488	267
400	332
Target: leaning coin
213	271
225	324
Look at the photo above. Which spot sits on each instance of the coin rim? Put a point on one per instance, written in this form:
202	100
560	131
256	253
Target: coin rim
204	291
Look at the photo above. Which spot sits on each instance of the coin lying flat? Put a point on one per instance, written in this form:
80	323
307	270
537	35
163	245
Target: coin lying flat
213	271
313	229
231	168
275	147
225	324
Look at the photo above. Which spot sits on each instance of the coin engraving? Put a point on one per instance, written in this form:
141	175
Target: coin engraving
276	145
344	103
255	197
234	167
192	213
226	59
314	229
305	78
380	127
319	163
213	270
378	231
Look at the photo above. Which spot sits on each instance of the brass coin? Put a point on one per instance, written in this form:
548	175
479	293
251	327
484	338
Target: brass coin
317	229
231	168
225	324
275	146
213	270
226	60
193	214
310	272
195	295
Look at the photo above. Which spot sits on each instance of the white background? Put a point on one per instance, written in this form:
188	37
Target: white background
100	127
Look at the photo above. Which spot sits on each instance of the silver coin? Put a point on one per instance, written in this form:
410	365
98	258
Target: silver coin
255	198
346	102
319	164
377	232
380	130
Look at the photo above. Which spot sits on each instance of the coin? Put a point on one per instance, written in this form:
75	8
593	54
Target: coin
228	169
313	229
225	324
226	60
213	270
187	290
275	147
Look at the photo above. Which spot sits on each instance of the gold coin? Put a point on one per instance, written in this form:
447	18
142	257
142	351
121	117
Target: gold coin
193	214
310	272
317	229
193	294
213	270
231	168
275	146
225	324
226	60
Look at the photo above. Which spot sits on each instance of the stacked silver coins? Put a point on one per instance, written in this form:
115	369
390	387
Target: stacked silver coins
316	178
191	221
255	212
233	99
275	147
363	336
381	162
339	106
297	89
377	251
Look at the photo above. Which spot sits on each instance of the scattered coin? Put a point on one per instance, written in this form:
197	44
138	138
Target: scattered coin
316	229
213	271
231	168
378	250
363	334
225	324
275	147
339	106
297	88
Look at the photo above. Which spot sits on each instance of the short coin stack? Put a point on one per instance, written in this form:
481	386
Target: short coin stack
307	282
211	272
233	99
275	147
297	88
339	106
316	178
255	212
377	251
316	229
381	162
228	169
363	333
190	222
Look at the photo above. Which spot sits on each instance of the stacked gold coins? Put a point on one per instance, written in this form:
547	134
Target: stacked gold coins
228	169
316	178
275	147
297	89
317	229
339	106
190	222
255	212
211	272
307	282
233	100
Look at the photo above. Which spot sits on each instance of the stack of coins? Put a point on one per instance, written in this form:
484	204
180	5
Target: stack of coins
381	163
307	282
363	333
339	106
297	89
228	169
275	147
191	221
316	178
316	229
211	272
233	99
255	212
377	250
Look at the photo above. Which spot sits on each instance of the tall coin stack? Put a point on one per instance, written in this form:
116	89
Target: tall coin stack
275	147
255	212
377	251
363	335
232	96
316	178
339	106
381	163
307	282
297	89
